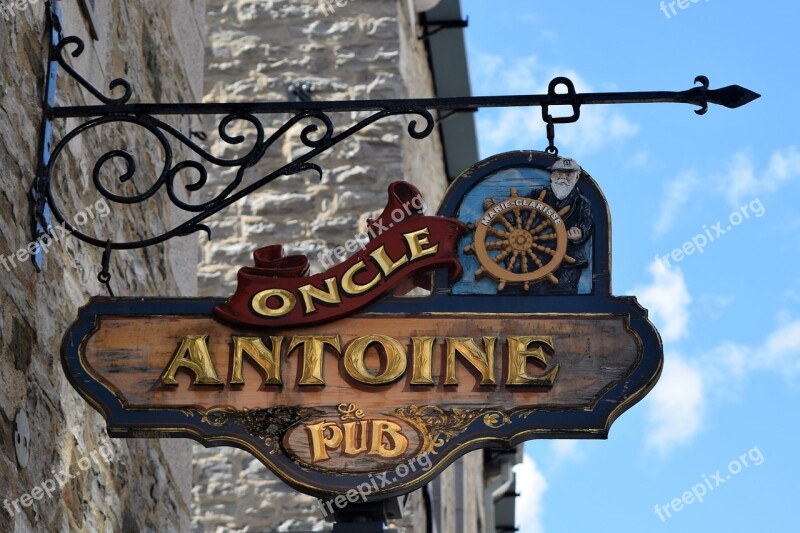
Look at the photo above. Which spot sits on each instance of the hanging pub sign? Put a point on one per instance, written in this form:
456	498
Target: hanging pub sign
333	378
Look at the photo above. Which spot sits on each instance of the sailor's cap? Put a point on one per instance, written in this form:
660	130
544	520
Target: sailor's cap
566	165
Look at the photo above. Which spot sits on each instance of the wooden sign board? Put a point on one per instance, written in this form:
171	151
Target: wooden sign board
334	378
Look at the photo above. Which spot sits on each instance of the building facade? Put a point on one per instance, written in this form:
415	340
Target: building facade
59	469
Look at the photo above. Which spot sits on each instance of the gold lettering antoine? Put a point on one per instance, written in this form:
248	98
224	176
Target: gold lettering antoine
529	360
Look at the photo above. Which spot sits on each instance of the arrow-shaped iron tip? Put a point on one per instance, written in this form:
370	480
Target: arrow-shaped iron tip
732	96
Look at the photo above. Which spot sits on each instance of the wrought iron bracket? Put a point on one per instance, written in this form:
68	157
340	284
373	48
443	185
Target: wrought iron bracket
441	25
318	135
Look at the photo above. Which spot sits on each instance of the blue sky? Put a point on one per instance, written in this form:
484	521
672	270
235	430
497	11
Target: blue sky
730	317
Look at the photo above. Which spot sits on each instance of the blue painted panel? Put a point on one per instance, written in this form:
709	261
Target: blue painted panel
498	186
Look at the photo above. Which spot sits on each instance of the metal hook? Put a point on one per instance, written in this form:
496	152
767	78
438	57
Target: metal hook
569	98
551	136
104	276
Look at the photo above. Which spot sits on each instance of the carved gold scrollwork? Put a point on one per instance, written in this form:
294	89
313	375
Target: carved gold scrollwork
267	424
496	420
439	425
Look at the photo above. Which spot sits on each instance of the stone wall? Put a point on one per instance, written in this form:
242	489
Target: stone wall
363	49
119	485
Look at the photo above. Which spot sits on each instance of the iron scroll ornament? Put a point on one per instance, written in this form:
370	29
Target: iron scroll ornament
229	195
318	135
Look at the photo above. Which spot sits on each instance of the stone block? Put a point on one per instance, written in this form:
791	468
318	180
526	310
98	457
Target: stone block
335	229
360	202
270	205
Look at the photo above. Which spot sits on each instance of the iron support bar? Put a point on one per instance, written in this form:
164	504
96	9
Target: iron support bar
731	97
115	171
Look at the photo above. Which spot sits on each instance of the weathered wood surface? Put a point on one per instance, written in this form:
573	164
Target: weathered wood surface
593	353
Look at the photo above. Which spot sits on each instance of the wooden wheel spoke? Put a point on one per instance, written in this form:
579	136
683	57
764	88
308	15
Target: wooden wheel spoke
542	195
496	245
544	249
506	223
548	237
518	217
497	233
536	259
541	226
524	263
564	211
550	277
531	219
501	257
512	261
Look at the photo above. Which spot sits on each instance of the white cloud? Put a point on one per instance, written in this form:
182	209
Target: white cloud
667	299
564	450
498	133
677	194
726	363
781	351
496	74
531	486
741	179
520	128
744	181
729	364
784	166
676	406
598	127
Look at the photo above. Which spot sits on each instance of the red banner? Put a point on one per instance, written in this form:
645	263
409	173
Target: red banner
277	291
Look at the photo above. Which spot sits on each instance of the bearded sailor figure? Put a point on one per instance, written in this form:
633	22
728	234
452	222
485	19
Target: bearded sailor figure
562	192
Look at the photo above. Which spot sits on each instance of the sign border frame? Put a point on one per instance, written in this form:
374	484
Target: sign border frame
162	422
